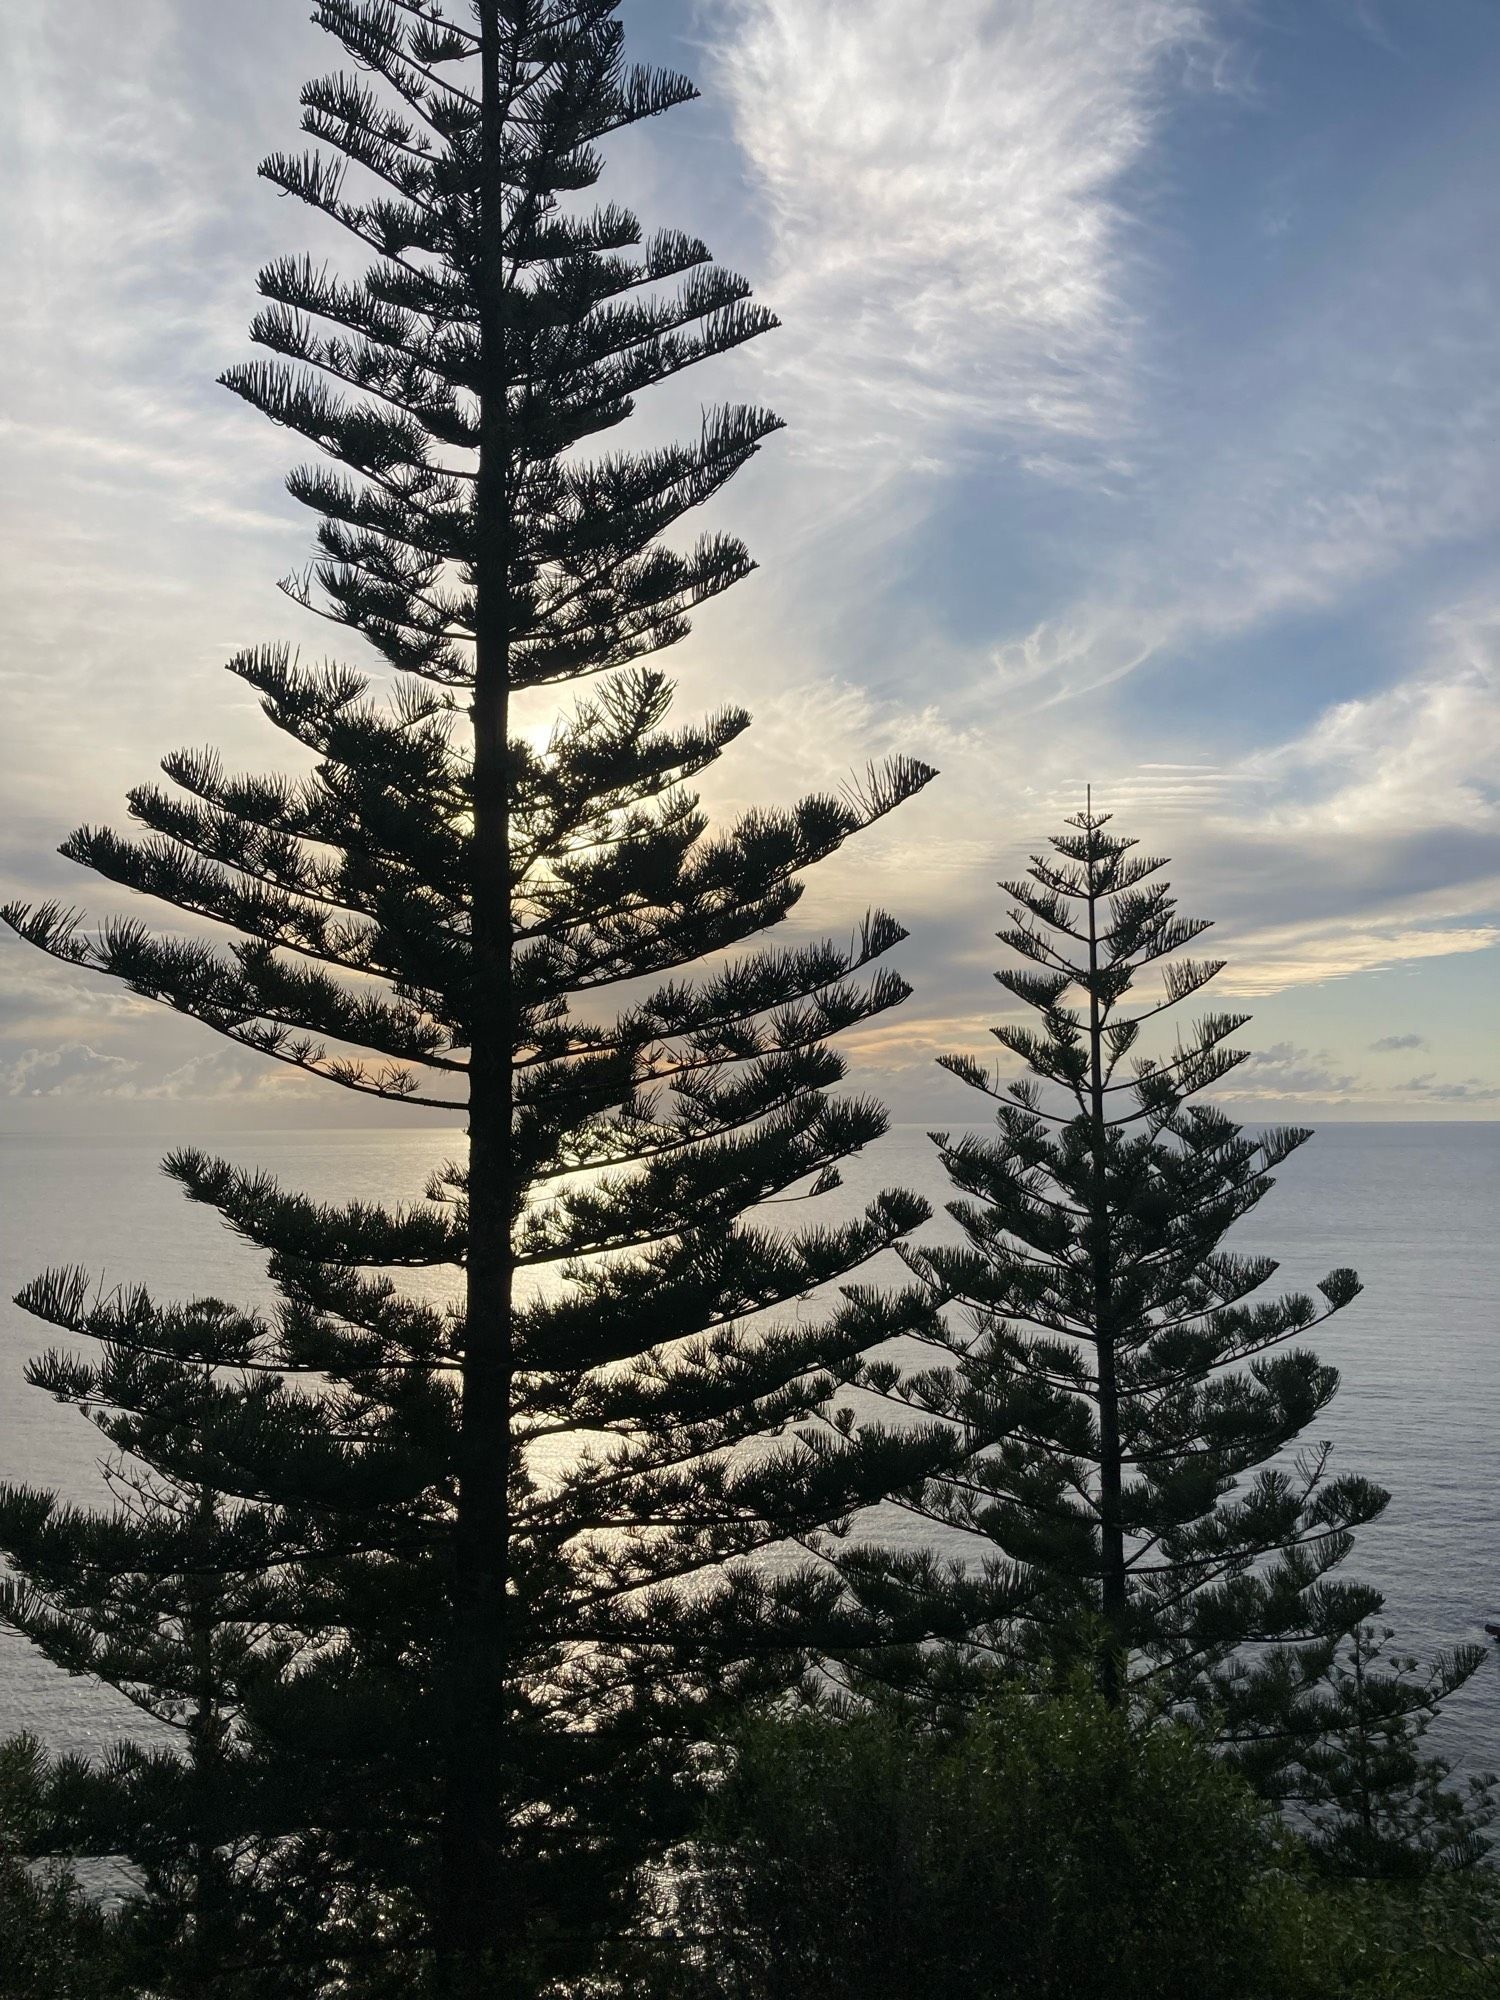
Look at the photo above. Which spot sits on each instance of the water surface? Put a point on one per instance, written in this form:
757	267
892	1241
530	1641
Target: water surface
1415	1208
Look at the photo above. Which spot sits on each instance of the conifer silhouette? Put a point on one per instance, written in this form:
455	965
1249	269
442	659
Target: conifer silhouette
494	1553
1127	1405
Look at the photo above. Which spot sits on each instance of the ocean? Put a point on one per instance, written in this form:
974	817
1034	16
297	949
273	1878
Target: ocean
1415	1208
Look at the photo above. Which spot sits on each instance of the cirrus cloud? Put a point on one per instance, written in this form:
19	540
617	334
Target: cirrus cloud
948	243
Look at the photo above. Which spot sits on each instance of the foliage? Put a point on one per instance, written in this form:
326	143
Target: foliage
1051	1848
1438	1939
161	1599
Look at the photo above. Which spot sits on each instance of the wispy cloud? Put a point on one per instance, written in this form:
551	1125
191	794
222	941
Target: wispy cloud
1424	752
1017	476
1271	531
1346	429
1280	959
79	1070
947	239
956	240
1372	836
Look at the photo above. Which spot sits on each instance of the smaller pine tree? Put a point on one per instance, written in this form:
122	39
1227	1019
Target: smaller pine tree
171	1597
56	1941
1375	1801
1129	1408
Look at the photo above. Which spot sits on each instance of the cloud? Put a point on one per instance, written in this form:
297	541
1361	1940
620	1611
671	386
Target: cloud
1471	1090
79	1070
41	1000
1373	835
1270	533
1275	961
221	1073
948	243
1327	446
1334	433
1286	1071
1423	752
75	1070
144	507
1366	838
130	287
981	326
1388	1044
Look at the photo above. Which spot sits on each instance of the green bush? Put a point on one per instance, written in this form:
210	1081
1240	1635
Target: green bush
1434	1940
1053	1849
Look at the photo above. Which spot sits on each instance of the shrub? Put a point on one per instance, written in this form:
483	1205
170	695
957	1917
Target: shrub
1053	1848
1438	1939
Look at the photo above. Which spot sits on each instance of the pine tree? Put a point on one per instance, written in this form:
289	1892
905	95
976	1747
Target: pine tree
1126	1405
1373	1800
165	1598
56	1941
502	1547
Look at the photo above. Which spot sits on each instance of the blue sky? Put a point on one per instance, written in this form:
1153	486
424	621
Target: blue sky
1141	360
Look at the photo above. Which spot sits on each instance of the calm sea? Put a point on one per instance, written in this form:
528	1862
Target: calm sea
1415	1208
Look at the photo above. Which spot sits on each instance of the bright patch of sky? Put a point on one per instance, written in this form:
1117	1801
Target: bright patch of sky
1143	381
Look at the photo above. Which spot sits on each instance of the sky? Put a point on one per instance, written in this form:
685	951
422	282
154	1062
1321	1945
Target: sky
1141	372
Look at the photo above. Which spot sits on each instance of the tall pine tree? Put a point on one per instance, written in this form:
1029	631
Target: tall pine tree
501	1545
1127	1404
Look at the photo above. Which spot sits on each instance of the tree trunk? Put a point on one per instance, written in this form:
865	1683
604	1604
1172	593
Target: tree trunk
478	1925
1111	1530
205	1733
